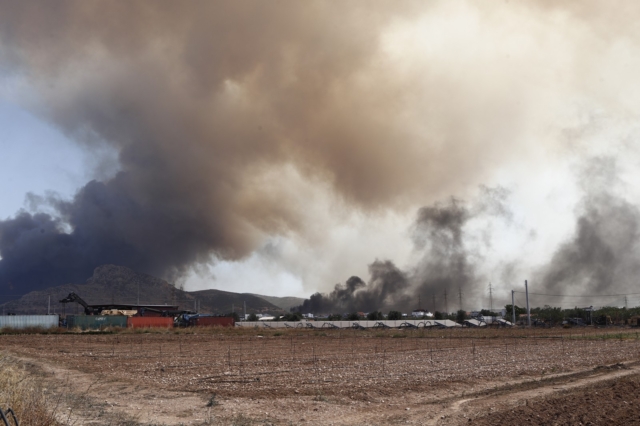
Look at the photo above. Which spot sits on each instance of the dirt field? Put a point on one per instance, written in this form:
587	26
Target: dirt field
346	377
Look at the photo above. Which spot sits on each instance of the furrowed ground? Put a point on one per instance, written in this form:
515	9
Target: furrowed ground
262	376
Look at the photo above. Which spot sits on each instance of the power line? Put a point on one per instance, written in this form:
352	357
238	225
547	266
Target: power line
569	295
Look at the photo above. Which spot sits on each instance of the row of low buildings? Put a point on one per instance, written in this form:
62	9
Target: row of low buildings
417	313
97	322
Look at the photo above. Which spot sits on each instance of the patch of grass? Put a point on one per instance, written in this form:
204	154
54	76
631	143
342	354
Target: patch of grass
276	334
24	395
32	330
399	336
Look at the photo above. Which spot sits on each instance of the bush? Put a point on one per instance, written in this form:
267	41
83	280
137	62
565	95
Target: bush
394	315
252	317
292	316
437	315
335	317
353	316
375	316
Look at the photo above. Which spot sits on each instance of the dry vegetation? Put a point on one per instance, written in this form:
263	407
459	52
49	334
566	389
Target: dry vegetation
21	392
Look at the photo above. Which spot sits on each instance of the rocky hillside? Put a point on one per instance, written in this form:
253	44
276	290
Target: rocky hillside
117	284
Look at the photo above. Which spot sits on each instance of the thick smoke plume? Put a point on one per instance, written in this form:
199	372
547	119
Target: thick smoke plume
446	266
200	102
208	105
603	255
600	258
220	111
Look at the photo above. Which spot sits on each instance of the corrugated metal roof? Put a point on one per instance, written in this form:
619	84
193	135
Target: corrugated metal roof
475	322
447	323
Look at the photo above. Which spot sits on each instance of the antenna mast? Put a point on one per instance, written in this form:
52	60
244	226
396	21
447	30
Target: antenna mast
446	305
490	298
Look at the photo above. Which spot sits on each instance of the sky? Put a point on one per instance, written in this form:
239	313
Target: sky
283	149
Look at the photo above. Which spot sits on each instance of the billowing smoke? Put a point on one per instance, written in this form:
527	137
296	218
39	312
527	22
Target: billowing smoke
200	102
220	112
603	255
600	258
446	265
209	106
386	288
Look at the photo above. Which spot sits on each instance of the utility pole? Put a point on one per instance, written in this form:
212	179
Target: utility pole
526	290
625	302
446	305
245	310
460	297
490	298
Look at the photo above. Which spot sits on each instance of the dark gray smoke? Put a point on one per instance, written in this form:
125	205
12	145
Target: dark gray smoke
109	225
210	104
200	101
446	264
386	288
603	255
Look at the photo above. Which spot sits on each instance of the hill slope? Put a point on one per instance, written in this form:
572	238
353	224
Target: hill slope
285	303
117	284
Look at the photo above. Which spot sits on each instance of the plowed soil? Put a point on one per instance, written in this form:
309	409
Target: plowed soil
261	376
610	402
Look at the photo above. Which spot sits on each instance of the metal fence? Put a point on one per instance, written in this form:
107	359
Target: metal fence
4	416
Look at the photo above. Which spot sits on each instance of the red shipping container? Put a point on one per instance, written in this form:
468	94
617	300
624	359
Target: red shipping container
146	322
213	321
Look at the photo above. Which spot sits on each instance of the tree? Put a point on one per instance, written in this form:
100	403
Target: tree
549	314
252	317
519	311
292	316
375	316
437	315
353	316
394	315
235	316
334	317
461	315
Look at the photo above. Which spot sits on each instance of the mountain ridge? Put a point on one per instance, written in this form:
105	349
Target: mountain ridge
119	284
